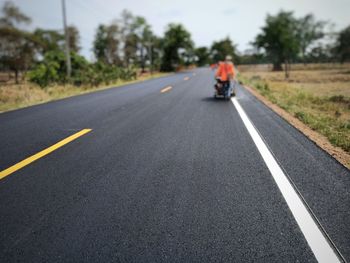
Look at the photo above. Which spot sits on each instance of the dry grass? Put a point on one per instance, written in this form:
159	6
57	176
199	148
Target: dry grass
18	96
295	67
319	82
318	95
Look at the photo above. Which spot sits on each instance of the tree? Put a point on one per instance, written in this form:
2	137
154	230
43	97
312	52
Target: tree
100	43
130	49
12	16
149	43
202	55
176	40
321	53
279	39
128	40
125	23
48	40
187	56
308	31
146	41
155	51
220	49
106	44
136	37
74	38
252	56
343	45
17	47
143	35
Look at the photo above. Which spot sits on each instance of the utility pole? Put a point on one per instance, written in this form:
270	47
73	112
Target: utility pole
66	34
150	55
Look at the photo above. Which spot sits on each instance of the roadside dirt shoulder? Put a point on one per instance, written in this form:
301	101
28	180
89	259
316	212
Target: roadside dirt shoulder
339	154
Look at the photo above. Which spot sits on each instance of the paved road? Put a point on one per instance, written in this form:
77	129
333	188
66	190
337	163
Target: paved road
162	177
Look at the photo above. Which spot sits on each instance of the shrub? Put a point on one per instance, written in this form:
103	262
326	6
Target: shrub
53	70
44	74
337	98
302	116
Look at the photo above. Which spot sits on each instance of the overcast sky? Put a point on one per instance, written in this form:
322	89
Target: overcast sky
207	20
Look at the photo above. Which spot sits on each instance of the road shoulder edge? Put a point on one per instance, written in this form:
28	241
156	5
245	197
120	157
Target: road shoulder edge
321	141
85	92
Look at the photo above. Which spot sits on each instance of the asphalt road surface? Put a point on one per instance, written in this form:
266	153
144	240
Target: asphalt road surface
166	174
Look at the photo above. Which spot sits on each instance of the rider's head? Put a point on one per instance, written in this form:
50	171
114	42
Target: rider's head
228	58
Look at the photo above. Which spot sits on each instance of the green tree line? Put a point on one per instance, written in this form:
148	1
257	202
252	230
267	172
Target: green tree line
286	39
128	44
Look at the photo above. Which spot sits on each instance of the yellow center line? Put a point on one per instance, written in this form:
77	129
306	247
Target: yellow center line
38	155
186	78
166	89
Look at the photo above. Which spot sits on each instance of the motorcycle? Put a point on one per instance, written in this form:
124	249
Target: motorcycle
222	89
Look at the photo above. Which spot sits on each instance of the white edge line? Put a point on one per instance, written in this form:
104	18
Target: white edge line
313	235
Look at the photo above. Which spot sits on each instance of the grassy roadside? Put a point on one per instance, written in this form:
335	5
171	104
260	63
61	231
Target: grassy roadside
23	95
317	96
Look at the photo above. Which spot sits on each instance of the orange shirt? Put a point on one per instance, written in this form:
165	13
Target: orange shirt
225	71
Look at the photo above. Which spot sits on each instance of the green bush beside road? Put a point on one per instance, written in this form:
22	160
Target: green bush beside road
52	70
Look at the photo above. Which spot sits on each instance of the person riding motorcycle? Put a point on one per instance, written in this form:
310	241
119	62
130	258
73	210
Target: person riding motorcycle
226	74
